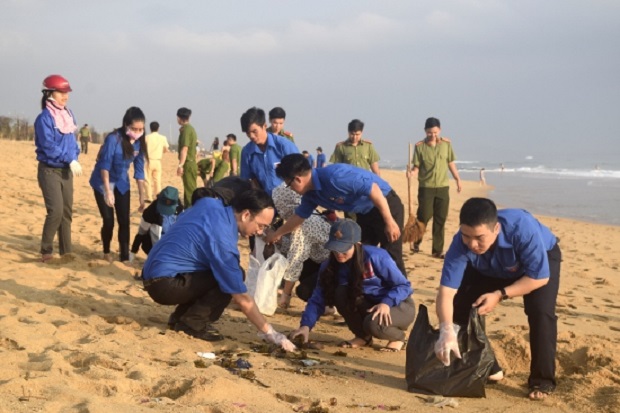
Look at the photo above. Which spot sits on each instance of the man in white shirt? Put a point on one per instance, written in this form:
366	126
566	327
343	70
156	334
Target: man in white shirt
156	145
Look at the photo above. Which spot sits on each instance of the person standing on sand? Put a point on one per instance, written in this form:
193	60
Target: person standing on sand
196	265
157	145
379	210
432	159
320	158
277	116
57	152
85	137
496	256
110	179
355	150
367	288
483	180
187	168
235	154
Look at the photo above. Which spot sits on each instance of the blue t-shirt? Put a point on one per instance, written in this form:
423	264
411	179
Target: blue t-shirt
259	165
311	161
383	283
521	249
320	160
204	238
112	159
54	148
341	187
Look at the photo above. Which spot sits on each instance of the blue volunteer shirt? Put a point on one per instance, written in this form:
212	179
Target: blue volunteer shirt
320	160
383	283
341	187
204	238
111	159
521	249
54	148
259	165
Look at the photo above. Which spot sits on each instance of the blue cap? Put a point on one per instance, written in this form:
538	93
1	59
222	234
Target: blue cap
168	200
343	235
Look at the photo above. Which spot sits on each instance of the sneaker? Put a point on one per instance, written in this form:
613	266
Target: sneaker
208	333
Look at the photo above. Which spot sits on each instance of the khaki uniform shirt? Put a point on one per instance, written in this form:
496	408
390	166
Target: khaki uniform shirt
361	155
432	162
155	145
188	138
284	134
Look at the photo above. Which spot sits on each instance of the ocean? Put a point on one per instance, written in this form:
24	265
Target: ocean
588	193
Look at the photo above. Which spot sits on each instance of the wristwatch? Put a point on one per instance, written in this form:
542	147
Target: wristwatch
504	295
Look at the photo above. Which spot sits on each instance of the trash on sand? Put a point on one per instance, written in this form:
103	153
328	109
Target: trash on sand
440	401
209	356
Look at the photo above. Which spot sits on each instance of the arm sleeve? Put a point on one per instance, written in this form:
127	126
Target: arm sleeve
44	128
246	172
107	152
373	156
138	166
315	307
336	156
394	278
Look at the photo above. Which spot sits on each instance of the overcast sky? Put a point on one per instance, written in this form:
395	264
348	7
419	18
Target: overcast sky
508	79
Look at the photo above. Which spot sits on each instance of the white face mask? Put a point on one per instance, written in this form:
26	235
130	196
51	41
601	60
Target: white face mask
133	135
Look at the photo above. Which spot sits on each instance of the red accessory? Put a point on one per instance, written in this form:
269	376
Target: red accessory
56	82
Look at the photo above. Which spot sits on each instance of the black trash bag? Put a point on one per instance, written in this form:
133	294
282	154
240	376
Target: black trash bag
464	377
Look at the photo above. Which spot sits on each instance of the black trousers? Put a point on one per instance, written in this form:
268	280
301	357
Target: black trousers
197	296
360	321
121	206
373	229
539	308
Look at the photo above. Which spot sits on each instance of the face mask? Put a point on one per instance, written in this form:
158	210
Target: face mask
133	135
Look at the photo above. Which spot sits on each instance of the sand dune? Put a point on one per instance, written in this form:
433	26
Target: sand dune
80	335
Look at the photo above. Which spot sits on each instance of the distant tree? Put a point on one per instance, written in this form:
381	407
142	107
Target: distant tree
5	127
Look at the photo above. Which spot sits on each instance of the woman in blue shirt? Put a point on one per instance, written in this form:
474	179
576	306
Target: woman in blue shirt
110	178
367	288
57	152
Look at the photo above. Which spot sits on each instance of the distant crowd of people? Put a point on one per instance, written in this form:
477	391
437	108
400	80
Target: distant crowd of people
269	188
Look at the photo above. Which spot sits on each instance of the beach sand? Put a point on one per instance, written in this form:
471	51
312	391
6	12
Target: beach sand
78	334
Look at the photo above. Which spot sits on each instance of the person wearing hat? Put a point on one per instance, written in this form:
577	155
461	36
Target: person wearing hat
57	152
320	157
367	288
156	220
196	265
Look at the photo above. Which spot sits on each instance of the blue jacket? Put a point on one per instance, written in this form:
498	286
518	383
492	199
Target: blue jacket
259	165
111	159
54	148
383	283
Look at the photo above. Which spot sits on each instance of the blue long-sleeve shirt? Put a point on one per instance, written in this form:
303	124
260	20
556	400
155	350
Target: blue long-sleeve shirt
112	159
54	148
383	283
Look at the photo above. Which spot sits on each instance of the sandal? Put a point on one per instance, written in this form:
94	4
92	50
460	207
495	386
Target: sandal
540	392
388	349
46	257
350	344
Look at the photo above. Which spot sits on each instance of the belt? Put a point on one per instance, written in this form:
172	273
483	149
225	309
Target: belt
152	281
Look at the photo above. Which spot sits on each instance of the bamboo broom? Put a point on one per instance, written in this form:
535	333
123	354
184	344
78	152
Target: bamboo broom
414	229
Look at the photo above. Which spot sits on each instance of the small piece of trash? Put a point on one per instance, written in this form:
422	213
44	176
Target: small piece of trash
440	401
309	362
243	364
209	356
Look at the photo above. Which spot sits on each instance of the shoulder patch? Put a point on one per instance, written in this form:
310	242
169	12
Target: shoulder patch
341	143
419	142
445	139
367	141
287	133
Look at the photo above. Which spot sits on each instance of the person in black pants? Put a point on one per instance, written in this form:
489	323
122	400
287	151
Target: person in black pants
495	256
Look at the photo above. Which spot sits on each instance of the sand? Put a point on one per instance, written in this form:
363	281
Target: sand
78	334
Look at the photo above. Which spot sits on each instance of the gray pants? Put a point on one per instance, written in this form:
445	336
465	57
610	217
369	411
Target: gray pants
57	187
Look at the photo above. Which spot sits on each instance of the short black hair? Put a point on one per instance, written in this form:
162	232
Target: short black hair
231	136
356	125
254	200
277	113
154	126
431	123
225	189
184	113
252	115
292	165
478	211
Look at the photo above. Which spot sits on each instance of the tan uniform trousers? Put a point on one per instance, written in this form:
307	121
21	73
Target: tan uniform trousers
153	178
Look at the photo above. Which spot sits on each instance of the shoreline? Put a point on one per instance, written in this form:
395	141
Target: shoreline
80	334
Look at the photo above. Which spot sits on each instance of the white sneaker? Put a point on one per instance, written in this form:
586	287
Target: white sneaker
497	376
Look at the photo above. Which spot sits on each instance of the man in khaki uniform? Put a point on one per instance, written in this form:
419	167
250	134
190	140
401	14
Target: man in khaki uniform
432	159
156	145
277	116
85	137
355	150
187	169
235	154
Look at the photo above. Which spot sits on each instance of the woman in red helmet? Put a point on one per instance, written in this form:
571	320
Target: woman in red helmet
57	152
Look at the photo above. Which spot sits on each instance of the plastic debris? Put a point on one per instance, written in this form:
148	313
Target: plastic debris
440	401
208	356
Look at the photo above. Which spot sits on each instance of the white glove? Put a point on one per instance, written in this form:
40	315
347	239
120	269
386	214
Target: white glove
280	339
447	342
132	256
76	168
109	199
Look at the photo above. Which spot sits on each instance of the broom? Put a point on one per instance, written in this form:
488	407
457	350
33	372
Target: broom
414	229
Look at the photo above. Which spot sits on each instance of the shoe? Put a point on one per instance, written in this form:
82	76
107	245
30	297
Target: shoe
388	349
496	377
46	257
438	255
349	344
540	392
415	249
208	333
172	321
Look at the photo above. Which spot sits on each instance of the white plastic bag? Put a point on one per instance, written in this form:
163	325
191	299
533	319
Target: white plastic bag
264	276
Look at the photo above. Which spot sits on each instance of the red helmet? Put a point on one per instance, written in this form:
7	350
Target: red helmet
56	82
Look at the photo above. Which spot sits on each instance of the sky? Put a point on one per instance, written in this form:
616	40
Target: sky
508	79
